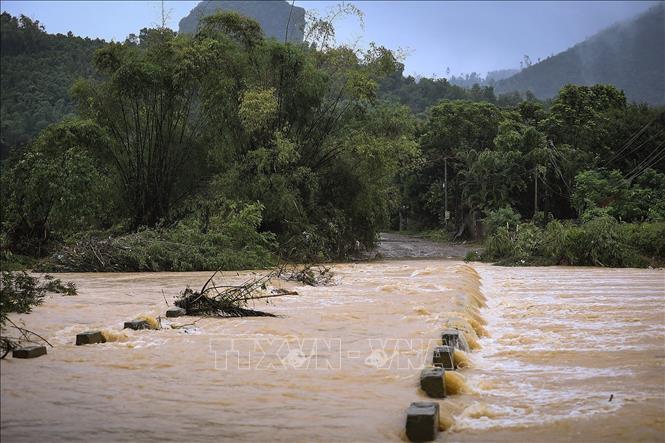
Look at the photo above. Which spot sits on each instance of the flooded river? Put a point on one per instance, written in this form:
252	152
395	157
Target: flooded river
563	342
341	363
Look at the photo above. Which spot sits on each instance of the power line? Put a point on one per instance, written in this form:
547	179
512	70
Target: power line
630	141
556	165
645	160
554	191
645	164
636	135
656	159
636	148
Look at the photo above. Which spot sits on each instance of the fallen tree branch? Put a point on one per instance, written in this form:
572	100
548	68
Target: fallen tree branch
309	274
20	292
26	333
227	300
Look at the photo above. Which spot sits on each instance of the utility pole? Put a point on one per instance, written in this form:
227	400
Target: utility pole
288	23
445	192
166	15
535	191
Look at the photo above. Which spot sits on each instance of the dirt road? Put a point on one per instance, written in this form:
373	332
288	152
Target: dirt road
393	245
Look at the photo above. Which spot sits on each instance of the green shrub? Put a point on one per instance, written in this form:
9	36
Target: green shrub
648	239
594	213
473	255
227	239
500	245
554	244
503	217
597	243
20	292
601	241
528	238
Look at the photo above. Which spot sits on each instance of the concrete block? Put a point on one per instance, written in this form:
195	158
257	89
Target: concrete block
454	338
443	357
422	421
29	352
89	338
463	344
175	312
433	383
136	325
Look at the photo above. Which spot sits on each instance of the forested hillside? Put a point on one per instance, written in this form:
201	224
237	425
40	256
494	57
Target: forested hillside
36	72
420	94
423	93
225	149
629	55
220	149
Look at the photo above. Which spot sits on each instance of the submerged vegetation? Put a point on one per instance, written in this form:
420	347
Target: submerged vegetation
226	149
601	241
20	292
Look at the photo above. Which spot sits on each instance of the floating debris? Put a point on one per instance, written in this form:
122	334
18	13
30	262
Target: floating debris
311	275
280	291
228	300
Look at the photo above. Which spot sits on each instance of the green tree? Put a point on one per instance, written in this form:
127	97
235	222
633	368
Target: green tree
53	187
147	102
594	189
293	135
580	114
459	136
36	71
639	200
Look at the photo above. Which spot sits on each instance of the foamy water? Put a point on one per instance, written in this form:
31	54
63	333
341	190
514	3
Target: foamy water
563	341
341	363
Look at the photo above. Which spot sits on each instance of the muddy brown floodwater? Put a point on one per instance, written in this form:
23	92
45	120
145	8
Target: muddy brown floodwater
341	363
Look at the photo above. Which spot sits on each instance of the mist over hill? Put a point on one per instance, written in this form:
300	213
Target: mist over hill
629	55
38	68
272	15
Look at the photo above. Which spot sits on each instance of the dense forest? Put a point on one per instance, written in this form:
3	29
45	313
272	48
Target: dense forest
628	55
420	94
425	92
228	149
36	72
590	157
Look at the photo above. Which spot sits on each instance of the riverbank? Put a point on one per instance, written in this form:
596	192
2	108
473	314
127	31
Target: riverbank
601	242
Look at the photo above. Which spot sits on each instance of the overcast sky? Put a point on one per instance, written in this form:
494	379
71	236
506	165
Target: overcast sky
465	36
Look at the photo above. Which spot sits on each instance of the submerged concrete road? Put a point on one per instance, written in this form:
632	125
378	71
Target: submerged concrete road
393	245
